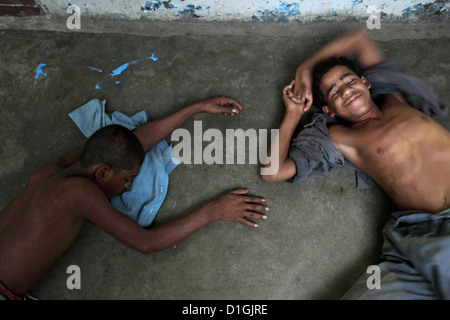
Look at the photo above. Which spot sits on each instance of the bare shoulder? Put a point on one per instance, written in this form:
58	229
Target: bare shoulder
337	133
75	194
395	98
395	105
42	174
344	139
83	190
89	201
53	167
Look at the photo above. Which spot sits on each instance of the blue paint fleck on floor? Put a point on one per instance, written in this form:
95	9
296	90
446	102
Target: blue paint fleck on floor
39	71
123	67
95	69
120	69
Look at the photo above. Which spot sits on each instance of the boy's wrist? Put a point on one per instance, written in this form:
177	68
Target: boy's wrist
196	108
306	66
209	213
294	113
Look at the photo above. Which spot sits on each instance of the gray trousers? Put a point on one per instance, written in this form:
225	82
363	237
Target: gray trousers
416	259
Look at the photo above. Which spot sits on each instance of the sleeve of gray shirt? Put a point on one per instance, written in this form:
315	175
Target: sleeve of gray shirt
313	152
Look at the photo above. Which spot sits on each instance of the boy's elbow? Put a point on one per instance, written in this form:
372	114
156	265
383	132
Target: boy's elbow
142	248
271	177
147	250
283	173
267	178
145	245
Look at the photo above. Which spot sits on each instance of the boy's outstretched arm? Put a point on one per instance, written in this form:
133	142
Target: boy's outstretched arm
279	150
357	44
235	205
153	132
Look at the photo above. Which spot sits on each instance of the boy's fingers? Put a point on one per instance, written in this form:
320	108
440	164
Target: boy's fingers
256	215
257	207
308	105
225	101
249	199
248	223
230	110
254	199
240	191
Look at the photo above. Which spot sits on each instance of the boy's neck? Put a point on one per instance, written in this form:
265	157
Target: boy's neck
76	170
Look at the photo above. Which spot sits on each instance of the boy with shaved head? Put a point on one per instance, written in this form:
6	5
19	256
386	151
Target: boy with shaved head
43	221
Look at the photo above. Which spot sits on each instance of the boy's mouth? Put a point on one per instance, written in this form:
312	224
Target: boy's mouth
353	98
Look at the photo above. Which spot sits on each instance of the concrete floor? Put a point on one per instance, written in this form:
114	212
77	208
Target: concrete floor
321	234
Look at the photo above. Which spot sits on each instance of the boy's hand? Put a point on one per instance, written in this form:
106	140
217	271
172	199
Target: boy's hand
223	105
303	86
291	102
237	206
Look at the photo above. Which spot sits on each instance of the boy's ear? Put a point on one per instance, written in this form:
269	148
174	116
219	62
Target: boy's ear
103	173
328	111
366	82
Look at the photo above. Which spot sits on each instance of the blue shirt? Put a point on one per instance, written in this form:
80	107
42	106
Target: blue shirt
146	194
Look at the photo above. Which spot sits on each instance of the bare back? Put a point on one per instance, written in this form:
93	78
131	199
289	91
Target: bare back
404	151
36	228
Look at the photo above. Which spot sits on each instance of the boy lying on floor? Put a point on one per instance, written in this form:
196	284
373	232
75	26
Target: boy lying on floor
404	150
387	133
46	217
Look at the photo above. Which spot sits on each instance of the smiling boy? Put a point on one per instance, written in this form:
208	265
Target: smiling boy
382	133
405	151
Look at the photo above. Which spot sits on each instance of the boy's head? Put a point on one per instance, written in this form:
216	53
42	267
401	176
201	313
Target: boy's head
340	89
116	154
